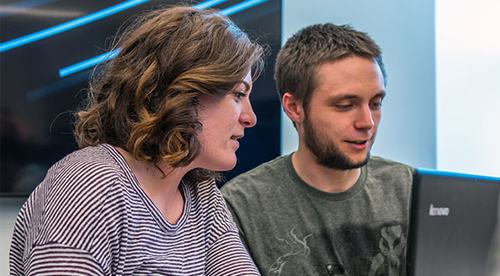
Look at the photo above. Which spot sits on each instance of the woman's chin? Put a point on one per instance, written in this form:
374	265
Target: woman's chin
222	166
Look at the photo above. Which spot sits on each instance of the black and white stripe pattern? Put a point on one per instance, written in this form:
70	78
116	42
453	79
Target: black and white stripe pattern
90	217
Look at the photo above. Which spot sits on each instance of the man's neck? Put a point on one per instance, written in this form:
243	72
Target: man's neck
323	178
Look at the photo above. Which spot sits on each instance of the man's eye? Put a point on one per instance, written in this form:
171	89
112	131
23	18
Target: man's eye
377	104
343	106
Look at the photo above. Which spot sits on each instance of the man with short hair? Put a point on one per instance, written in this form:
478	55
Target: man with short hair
329	208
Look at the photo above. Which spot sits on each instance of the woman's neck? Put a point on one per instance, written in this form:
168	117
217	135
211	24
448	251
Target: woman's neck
161	188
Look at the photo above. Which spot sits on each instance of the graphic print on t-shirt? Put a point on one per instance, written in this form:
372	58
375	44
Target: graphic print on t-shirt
352	250
392	246
296	245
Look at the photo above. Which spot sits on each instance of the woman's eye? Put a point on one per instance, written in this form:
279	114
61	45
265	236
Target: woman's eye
239	95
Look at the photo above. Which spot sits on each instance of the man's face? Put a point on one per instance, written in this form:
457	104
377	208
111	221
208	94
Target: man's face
341	120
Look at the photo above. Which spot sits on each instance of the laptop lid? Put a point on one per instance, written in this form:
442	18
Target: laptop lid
452	223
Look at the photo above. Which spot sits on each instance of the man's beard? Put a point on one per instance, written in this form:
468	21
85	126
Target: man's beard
326	152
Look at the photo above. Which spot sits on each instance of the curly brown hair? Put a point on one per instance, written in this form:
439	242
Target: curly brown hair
144	100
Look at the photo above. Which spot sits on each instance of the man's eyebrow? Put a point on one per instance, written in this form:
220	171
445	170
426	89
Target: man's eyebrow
380	94
341	97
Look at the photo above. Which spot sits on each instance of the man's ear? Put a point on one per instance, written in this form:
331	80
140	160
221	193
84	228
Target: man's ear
292	107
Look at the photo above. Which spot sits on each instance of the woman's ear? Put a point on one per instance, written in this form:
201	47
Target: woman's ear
293	108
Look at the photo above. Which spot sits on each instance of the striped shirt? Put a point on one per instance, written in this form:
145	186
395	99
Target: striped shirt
90	217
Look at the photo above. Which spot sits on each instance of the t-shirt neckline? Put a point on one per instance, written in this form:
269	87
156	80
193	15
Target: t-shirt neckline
310	190
164	225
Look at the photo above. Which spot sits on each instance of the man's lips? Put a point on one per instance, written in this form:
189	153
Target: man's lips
358	142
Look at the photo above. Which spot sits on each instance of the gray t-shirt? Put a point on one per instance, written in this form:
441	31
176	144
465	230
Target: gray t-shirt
291	228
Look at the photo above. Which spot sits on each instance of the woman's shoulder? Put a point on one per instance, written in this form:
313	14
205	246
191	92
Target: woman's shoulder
101	155
84	167
79	183
205	193
77	194
207	199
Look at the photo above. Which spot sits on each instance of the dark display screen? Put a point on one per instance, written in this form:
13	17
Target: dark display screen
46	51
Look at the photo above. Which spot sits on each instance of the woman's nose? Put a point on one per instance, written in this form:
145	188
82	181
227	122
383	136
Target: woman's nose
248	117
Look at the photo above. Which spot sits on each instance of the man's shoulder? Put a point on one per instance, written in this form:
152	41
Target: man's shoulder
379	163
389	171
259	177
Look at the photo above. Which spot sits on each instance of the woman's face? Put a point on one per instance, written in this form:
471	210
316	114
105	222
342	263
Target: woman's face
223	122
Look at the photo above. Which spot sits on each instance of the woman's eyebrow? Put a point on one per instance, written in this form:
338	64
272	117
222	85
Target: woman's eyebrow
246	84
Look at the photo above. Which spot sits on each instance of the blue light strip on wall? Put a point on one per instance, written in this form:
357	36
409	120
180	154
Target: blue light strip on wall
87	63
204	5
242	6
23	40
208	4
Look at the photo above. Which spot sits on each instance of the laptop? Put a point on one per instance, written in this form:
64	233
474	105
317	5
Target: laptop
453	221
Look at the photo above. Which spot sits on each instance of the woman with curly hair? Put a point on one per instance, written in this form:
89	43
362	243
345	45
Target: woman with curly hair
139	196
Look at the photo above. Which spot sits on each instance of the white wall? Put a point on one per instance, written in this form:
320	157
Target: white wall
405	32
9	207
468	91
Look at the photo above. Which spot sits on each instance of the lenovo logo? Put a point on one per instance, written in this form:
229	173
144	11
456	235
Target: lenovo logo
438	211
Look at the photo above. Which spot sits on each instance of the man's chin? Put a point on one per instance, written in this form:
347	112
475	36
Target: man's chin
361	163
344	163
